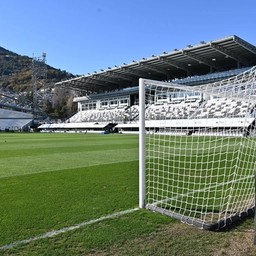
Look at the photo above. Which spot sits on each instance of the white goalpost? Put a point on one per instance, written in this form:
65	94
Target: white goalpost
198	150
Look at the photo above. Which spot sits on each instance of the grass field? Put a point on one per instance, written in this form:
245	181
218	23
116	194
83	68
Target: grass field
58	194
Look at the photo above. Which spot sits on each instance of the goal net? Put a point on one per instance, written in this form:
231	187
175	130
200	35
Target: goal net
197	150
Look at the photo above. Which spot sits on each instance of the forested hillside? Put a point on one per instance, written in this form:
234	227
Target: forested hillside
16	76
16	71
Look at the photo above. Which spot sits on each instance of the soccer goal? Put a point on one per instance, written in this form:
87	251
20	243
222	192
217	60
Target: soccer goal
198	150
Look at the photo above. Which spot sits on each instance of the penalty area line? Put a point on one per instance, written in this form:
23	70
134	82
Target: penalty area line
66	229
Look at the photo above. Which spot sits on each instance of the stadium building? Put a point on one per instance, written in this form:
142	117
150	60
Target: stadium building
111	97
204	97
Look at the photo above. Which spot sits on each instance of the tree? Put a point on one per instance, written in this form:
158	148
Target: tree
62	102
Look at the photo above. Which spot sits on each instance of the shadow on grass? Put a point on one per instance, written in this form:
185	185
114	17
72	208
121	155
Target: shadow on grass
244	224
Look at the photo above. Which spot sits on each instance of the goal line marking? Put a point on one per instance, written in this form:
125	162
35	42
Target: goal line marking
66	229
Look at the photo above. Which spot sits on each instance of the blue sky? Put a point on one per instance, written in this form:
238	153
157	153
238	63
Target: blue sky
83	36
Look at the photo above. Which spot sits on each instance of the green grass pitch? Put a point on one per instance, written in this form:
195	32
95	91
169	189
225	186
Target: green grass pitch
49	181
52	181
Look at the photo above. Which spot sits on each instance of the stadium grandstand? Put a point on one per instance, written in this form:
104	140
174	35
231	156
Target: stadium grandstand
111	97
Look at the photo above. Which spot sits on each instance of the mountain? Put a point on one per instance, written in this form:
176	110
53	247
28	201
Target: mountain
16	71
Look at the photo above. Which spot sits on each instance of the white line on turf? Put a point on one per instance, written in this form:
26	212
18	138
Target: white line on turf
64	230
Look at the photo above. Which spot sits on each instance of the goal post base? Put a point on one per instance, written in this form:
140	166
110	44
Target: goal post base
201	224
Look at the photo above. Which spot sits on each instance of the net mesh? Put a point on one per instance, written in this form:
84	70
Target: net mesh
200	150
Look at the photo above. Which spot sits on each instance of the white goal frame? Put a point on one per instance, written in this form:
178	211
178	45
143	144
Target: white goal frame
219	89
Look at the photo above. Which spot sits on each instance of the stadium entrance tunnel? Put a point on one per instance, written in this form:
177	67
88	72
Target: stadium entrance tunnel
110	128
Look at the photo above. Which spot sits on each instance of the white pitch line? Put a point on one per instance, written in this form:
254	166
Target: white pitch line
64	230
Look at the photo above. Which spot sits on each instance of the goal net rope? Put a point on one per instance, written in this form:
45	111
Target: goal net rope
197	149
